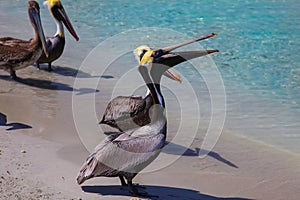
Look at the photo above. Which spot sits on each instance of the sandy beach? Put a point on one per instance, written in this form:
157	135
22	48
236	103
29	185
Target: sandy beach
41	151
38	168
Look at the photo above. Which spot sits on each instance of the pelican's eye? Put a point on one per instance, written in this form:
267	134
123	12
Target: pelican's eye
142	54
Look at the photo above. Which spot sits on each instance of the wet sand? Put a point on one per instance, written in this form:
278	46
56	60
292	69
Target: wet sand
41	152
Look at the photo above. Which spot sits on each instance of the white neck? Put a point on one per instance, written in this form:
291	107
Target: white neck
148	92
59	25
59	28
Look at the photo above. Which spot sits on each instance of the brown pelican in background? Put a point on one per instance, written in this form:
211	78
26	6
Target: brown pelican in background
56	44
125	154
128	112
16	53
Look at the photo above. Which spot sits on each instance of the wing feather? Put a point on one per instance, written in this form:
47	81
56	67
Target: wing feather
113	157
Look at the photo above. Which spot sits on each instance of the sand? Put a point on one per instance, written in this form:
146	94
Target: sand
41	151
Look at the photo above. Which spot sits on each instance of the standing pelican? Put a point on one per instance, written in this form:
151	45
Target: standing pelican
56	44
16	53
127	112
125	154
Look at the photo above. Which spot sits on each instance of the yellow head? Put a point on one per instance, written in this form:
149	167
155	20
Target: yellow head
144	55
52	3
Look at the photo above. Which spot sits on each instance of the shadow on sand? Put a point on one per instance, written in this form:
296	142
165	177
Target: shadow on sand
12	126
44	84
160	192
68	71
175	149
50	85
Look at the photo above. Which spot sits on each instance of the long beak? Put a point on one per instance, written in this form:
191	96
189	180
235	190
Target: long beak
174	58
188	55
67	22
166	57
37	20
173	75
173	47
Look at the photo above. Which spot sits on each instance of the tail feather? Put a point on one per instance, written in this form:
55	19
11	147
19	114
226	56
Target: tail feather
87	170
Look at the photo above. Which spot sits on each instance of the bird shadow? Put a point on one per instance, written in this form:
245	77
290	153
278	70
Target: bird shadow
175	149
44	84
156	192
12	126
71	72
50	85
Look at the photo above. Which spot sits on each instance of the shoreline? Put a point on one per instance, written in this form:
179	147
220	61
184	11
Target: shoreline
40	155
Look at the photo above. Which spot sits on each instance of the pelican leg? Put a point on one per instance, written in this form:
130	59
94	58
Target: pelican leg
12	73
49	67
132	189
123	183
38	65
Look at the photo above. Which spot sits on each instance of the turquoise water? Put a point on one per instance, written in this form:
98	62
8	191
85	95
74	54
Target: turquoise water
259	52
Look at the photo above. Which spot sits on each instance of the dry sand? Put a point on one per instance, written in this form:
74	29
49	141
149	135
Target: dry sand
41	153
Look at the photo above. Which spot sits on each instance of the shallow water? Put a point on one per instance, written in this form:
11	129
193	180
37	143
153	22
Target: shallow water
258	59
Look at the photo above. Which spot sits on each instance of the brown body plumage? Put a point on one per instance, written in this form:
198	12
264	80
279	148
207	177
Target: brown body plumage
16	53
127	112
56	46
125	154
56	43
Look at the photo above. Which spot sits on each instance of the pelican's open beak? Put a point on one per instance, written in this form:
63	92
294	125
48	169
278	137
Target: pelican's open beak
58	11
165	55
34	12
174	58
173	75
176	46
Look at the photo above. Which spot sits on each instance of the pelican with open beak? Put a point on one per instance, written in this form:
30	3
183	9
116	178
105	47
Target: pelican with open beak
16	53
56	44
128	112
125	154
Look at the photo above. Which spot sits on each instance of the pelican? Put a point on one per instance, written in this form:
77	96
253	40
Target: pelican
125	154
127	112
16	53
56	43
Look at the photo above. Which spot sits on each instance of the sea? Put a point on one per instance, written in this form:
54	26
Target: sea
259	59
